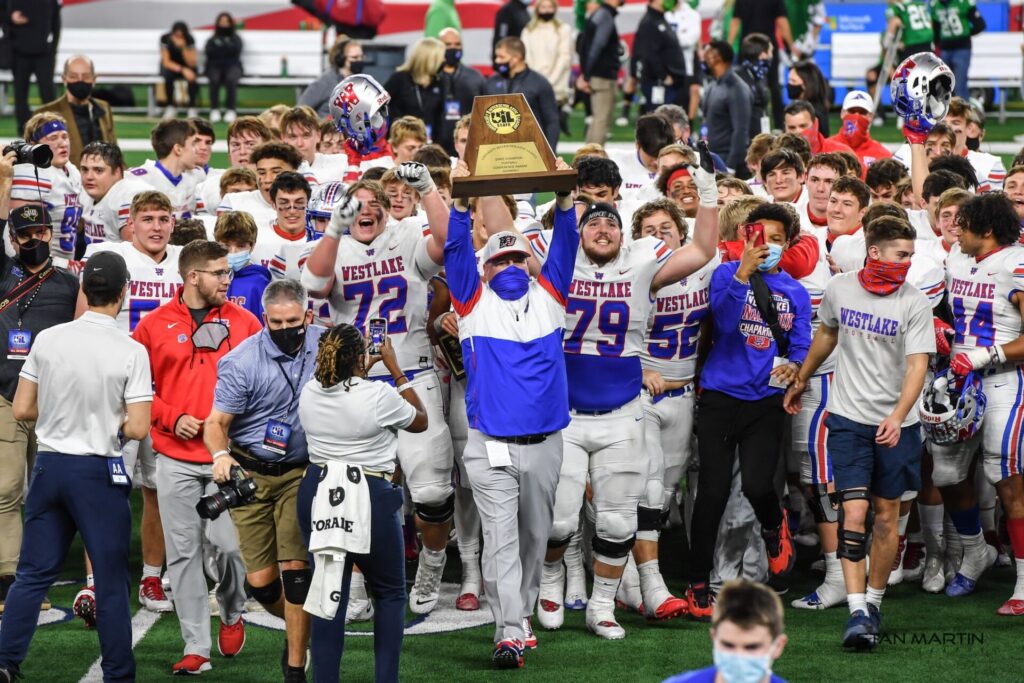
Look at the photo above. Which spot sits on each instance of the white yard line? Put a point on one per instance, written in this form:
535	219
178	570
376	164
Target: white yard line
141	623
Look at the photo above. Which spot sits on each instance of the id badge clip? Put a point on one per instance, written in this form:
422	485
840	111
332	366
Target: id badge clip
275	439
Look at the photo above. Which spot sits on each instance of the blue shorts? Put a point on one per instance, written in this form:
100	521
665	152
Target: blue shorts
859	462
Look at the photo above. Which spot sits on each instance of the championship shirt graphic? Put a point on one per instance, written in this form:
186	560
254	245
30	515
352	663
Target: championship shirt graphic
753	328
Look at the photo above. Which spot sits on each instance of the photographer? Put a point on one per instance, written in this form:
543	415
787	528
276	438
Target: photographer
256	405
344	453
186	337
762	330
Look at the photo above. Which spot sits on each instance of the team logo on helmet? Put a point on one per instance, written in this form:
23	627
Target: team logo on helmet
347	98
502	118
953	408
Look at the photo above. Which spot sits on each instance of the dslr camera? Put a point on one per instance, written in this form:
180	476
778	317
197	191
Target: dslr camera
237	491
40	156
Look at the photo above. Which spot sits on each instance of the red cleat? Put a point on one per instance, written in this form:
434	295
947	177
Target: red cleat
467	602
779	545
191	665
670	609
1011	608
700	606
85	606
231	638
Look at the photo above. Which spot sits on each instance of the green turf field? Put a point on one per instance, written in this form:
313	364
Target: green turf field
928	638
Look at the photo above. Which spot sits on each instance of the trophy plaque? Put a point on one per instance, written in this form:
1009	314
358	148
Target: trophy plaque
507	152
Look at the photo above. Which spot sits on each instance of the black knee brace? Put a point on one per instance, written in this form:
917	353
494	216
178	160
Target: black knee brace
853	545
612	548
296	584
554	543
267	595
436	514
648	519
824	505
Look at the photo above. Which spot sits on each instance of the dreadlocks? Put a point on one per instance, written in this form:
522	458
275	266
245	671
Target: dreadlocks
337	358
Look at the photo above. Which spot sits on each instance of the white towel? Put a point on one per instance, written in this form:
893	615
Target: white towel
340	524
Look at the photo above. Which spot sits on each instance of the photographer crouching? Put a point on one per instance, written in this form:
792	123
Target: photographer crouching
256	406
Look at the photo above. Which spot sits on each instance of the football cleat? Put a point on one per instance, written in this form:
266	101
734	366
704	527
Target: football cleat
85	606
467	602
508	654
821	598
601	622
191	665
152	596
860	632
933	580
913	561
358	610
427	587
701	602
671	608
960	586
1011	608
530	640
779	545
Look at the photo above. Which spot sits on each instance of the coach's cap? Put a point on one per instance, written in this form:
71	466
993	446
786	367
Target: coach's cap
105	273
858	99
505	242
600	210
29	216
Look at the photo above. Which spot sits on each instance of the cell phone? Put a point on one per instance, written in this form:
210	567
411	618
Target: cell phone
755	231
706	162
378	333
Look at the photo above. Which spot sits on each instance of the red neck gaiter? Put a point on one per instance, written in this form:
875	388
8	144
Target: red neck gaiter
882	277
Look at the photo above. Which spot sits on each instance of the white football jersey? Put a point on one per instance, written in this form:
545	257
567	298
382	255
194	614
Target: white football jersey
388	278
635	176
103	220
253	203
152	284
674	326
815	284
208	191
326	168
271	243
980	297
181	190
60	190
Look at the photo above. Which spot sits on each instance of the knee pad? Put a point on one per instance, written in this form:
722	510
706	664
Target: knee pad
555	543
824	505
853	545
616	525
615	550
648	519
561	529
436	514
267	595
296	584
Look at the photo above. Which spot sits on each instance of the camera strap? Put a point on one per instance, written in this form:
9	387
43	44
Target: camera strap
24	288
766	307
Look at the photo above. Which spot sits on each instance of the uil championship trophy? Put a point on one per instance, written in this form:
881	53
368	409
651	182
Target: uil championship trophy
507	152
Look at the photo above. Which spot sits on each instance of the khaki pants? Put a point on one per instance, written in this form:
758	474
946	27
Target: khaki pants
602	103
17	452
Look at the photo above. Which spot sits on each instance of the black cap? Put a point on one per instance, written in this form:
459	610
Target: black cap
29	216
105	273
600	210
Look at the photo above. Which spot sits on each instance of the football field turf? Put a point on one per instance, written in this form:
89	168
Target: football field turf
925	638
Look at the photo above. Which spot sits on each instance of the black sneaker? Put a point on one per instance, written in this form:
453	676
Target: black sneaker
295	674
10	673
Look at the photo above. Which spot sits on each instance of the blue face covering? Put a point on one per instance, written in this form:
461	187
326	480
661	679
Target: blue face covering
774	256
511	284
737	668
239	260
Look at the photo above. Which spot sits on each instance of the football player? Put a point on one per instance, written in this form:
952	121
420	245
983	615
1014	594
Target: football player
107	196
300	128
244	134
269	160
174	145
279	248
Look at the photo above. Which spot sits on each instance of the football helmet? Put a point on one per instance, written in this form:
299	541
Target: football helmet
921	88
324	198
359	107
952	408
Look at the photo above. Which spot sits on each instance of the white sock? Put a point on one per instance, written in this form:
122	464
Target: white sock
901	525
149	571
834	570
931	527
357	588
603	594
470	563
552	572
89	580
954	544
652	584
432	558
875	595
857	603
975	553
1018	590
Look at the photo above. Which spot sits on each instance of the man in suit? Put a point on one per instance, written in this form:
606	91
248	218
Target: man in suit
88	119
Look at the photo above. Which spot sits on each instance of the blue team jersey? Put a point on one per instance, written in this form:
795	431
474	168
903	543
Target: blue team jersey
246	289
706	676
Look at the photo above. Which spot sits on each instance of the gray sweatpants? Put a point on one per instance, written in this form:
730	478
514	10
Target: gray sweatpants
179	486
516	506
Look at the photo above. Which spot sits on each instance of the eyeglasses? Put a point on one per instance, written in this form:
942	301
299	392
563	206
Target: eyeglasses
228	275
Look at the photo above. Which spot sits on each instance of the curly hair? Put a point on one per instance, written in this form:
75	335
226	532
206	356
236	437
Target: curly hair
337	359
990	211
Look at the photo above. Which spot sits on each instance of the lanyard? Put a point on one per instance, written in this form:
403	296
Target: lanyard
38	285
302	371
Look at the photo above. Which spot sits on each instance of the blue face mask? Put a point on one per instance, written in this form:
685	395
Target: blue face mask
774	256
239	260
759	68
511	284
737	668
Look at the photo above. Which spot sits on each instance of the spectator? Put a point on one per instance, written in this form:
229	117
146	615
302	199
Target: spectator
806	17
415	88
686	21
236	232
88	119
34	30
224	66
185	375
767	17
512	74
549	48
441	15
459	84
598	49
740	412
657	62
807	83
799	118
178	62
344	59
856	128
510	20
755	64
727	107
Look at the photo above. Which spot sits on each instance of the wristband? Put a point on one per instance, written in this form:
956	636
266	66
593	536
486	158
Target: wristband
220	453
407	385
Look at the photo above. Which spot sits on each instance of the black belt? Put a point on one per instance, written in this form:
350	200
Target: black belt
267	469
526	440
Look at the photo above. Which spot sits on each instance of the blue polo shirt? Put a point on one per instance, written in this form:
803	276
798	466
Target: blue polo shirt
259	384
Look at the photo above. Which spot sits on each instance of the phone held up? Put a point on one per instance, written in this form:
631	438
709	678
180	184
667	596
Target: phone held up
378	329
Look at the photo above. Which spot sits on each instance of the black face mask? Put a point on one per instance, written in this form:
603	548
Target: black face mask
289	339
452	56
222	31
794	91
34	252
545	16
356	66
501	69
80	90
973	144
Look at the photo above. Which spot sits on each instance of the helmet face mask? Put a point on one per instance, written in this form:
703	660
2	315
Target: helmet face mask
323	200
922	87
953	408
358	106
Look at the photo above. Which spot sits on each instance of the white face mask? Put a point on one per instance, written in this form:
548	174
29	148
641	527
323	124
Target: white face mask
741	668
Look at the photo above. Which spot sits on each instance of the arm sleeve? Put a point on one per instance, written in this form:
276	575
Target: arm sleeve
739	115
230	395
460	263
393	411
800	259
139	387
800	333
728	297
556	273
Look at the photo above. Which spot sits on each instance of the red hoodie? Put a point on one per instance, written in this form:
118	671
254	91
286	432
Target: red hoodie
855	133
184	377
798	261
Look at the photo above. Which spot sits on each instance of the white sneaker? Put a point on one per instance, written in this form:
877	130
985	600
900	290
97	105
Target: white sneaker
601	622
170	112
230	116
550	607
934	579
621	122
215	116
192	113
425	591
359	610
